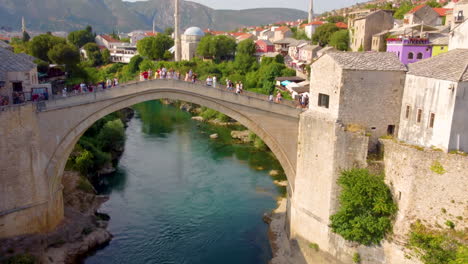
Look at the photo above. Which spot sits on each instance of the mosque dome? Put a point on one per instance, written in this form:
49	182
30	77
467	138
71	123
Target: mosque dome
194	31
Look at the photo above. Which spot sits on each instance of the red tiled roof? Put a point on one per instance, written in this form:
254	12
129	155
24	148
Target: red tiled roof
416	8
442	11
109	38
4	38
283	29
342	25
244	36
151	34
237	34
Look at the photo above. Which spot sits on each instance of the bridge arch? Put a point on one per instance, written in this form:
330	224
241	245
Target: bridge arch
58	161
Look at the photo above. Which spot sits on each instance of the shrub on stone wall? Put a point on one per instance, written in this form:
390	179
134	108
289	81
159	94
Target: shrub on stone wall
366	207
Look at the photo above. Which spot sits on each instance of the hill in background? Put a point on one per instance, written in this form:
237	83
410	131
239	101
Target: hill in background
108	15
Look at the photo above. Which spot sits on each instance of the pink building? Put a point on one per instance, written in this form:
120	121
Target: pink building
410	50
264	46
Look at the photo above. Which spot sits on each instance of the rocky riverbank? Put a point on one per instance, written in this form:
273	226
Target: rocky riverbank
82	230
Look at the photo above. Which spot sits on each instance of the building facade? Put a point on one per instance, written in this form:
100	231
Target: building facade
459	36
362	90
435	102
363	29
190	40
423	14
264	46
410	50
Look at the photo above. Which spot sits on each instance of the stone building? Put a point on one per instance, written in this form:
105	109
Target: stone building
423	14
410	50
435	102
295	47
308	53
459	14
190	40
281	33
459	36
19	79
364	28
361	90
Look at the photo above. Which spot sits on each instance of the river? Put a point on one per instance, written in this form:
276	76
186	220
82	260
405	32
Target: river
180	197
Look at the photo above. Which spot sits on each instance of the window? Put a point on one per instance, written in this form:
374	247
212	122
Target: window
408	112
410	56
391	130
442	48
431	120
419	116
323	100
419	56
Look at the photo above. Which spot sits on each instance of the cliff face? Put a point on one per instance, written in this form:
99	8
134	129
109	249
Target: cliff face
108	15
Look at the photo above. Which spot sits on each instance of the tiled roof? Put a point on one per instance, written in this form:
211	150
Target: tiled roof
368	61
450	66
285	41
11	62
442	11
439	39
109	38
4	45
342	25
415	9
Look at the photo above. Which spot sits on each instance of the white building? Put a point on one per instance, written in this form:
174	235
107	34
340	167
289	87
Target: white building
120	51
435	102
190	40
459	36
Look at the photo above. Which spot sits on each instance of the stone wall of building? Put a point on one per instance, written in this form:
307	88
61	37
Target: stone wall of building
459	37
423	194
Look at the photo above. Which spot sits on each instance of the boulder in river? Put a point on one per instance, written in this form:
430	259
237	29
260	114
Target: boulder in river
214	136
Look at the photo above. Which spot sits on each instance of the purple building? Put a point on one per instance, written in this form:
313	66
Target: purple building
410	50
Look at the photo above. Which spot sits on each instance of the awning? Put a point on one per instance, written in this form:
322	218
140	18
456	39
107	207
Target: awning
301	89
285	83
291	86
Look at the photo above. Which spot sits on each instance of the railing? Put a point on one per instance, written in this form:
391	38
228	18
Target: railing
58	97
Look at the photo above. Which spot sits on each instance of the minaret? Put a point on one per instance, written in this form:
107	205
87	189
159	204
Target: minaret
154	25
23	25
311	11
177	56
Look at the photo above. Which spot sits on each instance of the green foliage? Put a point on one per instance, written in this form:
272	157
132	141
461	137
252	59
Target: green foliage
80	37
209	114
84	185
42	66
450	224
146	65
314	246
259	144
436	247
21	259
216	47
93	53
404	8
366	207
323	34
436	167
84	162
154	48
40	46
64	54
245	55
340	40
356	258
105	54
335	19
26	37
299	34
433	4
112	135
168	31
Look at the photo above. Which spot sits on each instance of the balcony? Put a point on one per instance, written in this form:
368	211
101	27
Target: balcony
408	41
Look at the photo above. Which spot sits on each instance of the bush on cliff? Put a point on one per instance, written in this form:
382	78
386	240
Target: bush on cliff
112	135
366	207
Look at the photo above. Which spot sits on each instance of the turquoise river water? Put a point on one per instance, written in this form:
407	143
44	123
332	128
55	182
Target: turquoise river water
180	197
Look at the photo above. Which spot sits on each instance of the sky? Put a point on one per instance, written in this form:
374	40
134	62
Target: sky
320	5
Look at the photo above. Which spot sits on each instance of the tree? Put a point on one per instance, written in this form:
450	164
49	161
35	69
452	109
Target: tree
94	54
404	8
168	31
323	34
81	37
366	207
245	55
40	45
216	47
299	34
26	36
112	135
433	4
64	54
340	40
335	19
154	48
105	53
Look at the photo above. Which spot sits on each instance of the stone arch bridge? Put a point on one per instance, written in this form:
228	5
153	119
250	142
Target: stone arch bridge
36	140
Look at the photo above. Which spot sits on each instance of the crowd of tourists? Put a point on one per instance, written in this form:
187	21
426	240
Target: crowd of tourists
89	88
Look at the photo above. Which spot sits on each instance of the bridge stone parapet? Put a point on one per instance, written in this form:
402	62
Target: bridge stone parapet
38	138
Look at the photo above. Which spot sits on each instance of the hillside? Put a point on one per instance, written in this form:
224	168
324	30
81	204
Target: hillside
108	15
